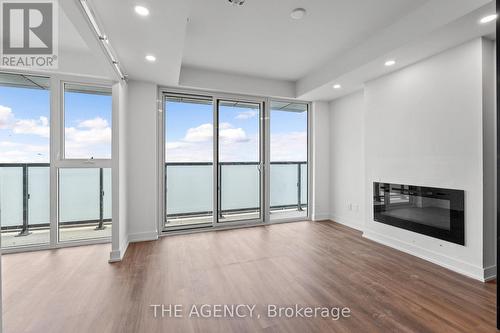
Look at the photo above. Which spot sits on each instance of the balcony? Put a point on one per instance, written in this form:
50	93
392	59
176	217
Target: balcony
84	204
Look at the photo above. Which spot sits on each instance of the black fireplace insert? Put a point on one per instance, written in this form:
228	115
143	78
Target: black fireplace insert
435	212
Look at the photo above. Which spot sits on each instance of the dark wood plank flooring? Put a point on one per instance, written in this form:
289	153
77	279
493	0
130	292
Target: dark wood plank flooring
307	263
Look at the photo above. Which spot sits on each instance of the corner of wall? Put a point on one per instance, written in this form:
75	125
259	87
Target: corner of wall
489	156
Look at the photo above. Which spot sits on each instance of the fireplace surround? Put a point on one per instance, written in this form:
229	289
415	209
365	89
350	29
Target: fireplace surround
435	212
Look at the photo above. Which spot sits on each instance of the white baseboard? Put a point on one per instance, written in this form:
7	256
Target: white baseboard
490	273
320	217
347	222
458	266
143	236
117	255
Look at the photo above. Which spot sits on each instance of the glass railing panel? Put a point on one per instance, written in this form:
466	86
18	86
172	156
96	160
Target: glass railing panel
39	199
78	195
79	204
283	186
189	193
107	187
303	182
240	194
11	196
24	219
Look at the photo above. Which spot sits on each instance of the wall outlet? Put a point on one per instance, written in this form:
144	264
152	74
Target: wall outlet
349	206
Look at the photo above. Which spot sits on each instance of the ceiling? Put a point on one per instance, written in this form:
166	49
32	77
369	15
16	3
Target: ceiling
259	49
162	34
261	39
79	52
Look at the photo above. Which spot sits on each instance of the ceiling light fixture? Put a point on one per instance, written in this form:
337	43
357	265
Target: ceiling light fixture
150	58
390	63
337	86
488	19
236	2
298	13
141	10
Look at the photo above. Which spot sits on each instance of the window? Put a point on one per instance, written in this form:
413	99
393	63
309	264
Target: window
87	122
288	162
24	160
84	174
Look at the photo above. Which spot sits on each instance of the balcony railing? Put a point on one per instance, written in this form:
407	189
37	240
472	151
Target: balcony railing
25	197
189	187
85	200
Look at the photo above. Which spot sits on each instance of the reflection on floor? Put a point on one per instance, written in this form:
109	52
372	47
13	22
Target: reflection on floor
232	217
41	236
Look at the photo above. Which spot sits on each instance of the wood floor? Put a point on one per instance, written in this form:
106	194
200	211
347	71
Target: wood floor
306	263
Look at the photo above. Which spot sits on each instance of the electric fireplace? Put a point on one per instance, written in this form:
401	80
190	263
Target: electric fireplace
435	212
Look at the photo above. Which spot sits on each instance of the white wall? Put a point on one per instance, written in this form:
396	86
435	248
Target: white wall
347	204
119	237
142	179
320	119
234	83
422	125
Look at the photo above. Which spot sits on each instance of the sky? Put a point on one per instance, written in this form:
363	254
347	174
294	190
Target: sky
189	133
24	129
24	125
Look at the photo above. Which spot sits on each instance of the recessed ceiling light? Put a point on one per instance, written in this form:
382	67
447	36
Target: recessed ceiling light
141	10
390	63
298	13
488	19
150	58
337	86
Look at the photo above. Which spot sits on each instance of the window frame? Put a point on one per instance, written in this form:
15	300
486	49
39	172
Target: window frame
63	161
56	161
164	91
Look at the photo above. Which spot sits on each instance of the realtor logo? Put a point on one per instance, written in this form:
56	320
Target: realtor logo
29	33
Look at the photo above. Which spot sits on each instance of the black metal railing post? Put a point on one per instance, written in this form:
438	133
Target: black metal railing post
219	191
24	230
299	187
101	225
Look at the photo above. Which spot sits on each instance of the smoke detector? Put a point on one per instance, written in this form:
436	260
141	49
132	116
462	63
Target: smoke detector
236	2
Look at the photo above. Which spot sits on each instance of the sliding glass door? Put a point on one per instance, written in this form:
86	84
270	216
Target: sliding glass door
188	176
231	160
239	161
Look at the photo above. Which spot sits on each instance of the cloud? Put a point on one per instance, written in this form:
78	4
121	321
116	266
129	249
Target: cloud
38	127
246	115
90	138
196	146
96	123
291	146
204	133
15	152
201	133
6	116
